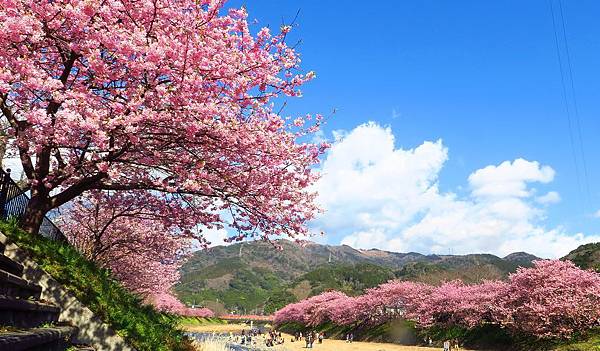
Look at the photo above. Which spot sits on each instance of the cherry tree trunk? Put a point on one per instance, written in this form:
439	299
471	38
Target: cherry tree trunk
33	217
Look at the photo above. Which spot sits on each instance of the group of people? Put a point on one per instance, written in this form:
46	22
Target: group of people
255	336
451	345
248	337
349	337
309	338
274	338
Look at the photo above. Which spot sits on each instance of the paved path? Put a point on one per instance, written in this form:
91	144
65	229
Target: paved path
341	345
328	345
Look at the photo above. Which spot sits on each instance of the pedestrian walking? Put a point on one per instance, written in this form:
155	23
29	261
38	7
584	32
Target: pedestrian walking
447	345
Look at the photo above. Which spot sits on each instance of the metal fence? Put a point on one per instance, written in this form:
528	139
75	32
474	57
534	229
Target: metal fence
13	203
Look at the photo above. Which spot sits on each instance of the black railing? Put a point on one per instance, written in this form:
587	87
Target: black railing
13	203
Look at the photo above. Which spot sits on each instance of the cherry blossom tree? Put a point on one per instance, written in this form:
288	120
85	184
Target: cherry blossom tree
321	306
312	311
168	303
457	304
128	234
552	299
174	98
395	299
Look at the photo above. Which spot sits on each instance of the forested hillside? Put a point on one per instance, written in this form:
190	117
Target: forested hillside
586	256
257	277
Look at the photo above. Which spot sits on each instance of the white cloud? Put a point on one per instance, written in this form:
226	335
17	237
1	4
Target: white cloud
215	236
597	214
551	197
509	179
339	134
366	183
376	238
14	164
377	195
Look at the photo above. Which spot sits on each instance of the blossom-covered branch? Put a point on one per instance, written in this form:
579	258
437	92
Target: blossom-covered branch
167	97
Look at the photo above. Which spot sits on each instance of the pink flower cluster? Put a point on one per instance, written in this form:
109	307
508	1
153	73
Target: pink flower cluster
552	299
158	97
168	303
127	234
130	235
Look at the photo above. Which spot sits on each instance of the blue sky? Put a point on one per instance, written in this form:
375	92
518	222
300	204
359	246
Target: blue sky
481	76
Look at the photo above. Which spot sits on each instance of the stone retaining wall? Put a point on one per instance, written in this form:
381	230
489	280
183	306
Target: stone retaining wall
91	330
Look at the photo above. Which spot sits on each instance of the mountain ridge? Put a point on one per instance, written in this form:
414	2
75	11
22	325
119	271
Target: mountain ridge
258	276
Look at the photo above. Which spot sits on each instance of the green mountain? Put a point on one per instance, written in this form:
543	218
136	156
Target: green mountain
586	256
257	277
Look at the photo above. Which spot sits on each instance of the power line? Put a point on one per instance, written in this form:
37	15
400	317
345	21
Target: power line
575	107
565	98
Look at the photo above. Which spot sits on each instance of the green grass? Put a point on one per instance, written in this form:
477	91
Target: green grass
197	321
493	337
143	327
588	342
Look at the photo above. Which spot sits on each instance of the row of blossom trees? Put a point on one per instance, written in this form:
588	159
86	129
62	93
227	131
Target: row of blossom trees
165	301
553	299
136	240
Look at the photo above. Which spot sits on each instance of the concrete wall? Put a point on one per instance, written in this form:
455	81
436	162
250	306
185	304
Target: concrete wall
91	329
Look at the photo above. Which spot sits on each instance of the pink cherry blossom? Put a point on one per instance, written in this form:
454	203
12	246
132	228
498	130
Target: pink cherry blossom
552	299
166	97
167	302
126	234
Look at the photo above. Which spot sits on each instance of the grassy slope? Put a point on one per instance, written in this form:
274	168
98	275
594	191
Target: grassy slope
141	325
590	342
197	321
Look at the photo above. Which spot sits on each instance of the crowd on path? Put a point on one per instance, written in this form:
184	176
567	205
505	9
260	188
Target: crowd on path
309	338
256	337
450	345
274	338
